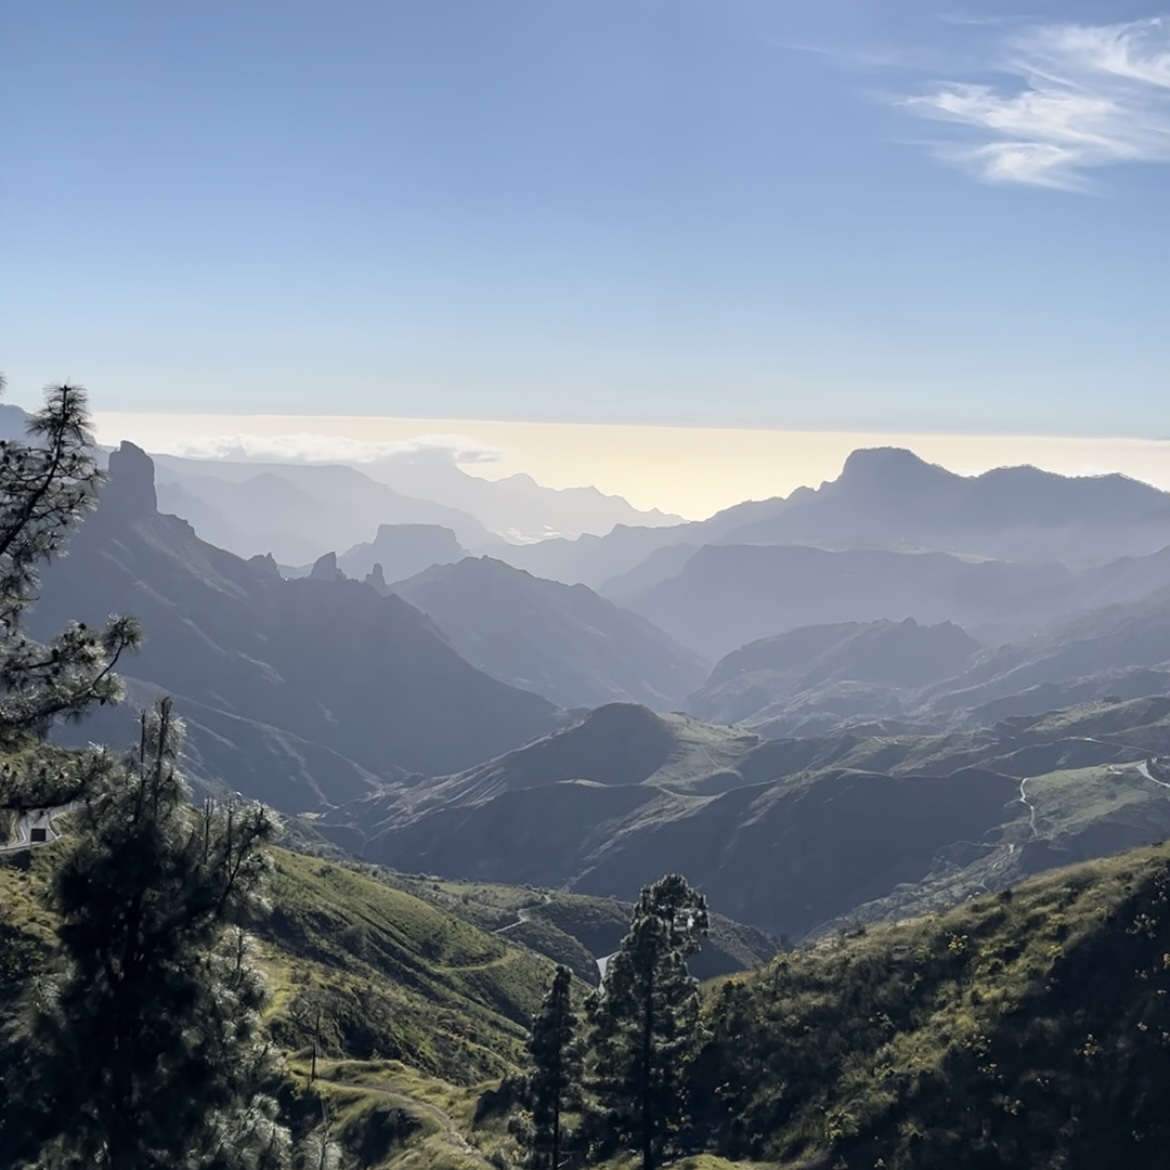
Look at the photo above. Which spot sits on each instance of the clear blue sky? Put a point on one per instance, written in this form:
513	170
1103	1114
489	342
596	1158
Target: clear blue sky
847	213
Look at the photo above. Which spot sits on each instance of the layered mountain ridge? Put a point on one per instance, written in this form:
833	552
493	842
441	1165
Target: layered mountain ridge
262	666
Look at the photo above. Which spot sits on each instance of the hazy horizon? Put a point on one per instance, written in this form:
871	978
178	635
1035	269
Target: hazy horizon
651	467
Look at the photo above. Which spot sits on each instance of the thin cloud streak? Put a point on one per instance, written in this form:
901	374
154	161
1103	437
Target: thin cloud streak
1088	97
306	447
691	471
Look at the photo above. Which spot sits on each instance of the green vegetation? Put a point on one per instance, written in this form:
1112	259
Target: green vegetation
555	1083
395	978
1030	1029
644	1024
46	486
797	837
412	1010
1025	1030
575	929
142	1046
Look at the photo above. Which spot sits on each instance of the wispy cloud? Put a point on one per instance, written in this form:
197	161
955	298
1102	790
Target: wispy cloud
1084	97
310	448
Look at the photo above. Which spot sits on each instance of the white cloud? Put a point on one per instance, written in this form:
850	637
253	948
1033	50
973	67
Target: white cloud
1084	97
314	448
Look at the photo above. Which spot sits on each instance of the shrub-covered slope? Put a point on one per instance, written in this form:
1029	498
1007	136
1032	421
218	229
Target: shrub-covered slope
790	836
1028	1030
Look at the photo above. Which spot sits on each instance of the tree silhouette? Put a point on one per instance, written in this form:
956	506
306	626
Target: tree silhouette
645	1019
46	486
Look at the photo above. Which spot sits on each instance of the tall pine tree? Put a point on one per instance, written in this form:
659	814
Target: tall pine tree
554	1085
146	1051
645	1020
46	486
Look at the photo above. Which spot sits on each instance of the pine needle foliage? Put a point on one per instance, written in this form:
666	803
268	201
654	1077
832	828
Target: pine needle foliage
47	485
555	1083
146	1051
645	1021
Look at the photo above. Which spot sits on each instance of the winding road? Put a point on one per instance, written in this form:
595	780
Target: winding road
22	838
521	916
1144	769
1023	798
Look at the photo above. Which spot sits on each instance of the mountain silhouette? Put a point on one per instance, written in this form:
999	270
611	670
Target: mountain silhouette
562	641
251	656
294	511
402	550
846	669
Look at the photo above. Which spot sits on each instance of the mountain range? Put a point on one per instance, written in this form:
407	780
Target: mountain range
891	500
300	691
476	720
846	670
295	512
298	511
515	507
562	641
792	836
892	675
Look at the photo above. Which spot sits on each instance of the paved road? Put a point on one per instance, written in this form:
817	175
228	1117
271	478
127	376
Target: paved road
22	838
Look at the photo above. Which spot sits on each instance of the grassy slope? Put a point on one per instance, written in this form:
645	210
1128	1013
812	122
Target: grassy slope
575	812
577	929
418	1009
1027	1030
420	1004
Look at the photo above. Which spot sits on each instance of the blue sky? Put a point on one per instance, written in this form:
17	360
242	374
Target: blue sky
881	214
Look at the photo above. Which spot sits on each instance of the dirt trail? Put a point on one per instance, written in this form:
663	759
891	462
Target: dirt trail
1023	798
522	916
1144	769
443	1120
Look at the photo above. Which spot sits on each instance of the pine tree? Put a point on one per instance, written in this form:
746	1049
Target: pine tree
555	1082
46	486
146	1051
646	1019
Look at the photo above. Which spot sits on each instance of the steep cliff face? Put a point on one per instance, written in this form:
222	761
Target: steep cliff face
303	692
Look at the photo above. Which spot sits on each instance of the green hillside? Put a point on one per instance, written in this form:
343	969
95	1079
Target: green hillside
394	976
576	929
413	1010
416	992
792	836
1028	1030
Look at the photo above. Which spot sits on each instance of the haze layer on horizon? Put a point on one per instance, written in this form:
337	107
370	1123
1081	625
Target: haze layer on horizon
690	471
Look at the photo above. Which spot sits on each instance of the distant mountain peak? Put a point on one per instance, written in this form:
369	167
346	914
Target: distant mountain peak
325	568
130	488
403	550
265	563
889	465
